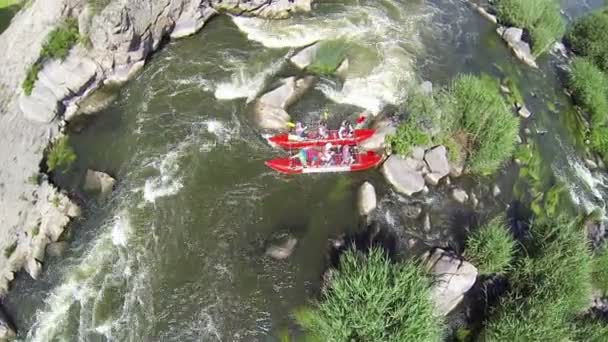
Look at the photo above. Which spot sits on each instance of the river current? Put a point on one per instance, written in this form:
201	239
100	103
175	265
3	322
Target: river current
177	252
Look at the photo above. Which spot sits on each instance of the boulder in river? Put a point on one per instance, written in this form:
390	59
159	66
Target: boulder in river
270	108
437	161
403	175
282	250
100	182
306	56
453	277
512	36
342	70
460	196
367	199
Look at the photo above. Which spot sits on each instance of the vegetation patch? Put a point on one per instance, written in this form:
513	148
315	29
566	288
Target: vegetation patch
600	269
408	135
587	37
549	286
328	57
10	249
57	46
372	299
61	155
541	18
589	88
491	247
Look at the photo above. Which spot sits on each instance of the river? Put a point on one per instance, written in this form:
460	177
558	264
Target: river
177	252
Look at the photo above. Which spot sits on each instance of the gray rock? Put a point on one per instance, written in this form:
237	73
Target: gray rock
456	169
418	153
474	200
100	182
432	178
496	190
590	164
524	112
284	250
41	106
342	70
123	73
505	89
376	142
437	160
367	199
287	93
426	225
305	57
95	102
484	13
426	88
512	36
460	195
452	279
402	176
271	118
69	77
56	249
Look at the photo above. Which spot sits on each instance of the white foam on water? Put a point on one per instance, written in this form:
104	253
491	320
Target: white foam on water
584	186
168	183
80	288
244	83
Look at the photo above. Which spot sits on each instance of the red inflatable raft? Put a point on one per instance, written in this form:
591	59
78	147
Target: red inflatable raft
363	161
290	141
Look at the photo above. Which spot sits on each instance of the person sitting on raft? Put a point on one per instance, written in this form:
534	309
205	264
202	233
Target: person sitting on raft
328	154
300	130
322	130
308	154
346	130
347	158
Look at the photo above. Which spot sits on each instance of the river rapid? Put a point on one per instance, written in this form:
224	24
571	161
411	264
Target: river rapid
177	252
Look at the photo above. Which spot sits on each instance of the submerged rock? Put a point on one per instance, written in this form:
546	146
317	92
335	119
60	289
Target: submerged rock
56	249
403	175
283	250
453	277
460	196
367	199
101	182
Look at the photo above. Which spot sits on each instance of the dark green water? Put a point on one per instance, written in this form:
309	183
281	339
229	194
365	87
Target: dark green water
177	252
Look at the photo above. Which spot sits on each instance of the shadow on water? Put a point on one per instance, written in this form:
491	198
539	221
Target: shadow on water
6	14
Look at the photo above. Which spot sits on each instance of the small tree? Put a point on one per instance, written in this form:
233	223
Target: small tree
371	299
491	247
61	154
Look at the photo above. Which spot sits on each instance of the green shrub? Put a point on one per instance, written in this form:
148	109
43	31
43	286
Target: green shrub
599	140
490	126
600	269
548	287
408	135
61	155
542	18
31	78
589	88
328	57
587	37
371	299
491	247
61	40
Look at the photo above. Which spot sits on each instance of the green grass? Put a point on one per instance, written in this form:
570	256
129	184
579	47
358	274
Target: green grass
408	135
549	286
542	18
8	3
491	247
61	155
490	127
600	269
328	57
589	87
587	37
588	329
57	46
514	96
372	299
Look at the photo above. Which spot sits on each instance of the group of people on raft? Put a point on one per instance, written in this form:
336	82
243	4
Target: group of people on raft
327	155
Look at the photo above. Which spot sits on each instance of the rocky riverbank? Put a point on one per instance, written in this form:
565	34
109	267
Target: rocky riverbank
121	36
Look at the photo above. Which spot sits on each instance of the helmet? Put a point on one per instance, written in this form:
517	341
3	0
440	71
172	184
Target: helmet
328	145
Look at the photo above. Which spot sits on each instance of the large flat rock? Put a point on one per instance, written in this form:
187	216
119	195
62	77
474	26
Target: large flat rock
403	174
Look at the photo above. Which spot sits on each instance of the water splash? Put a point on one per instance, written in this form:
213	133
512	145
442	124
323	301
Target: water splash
168	183
245	82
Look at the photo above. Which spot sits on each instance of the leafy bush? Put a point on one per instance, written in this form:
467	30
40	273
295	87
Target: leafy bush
548	287
600	269
587	37
328	57
61	155
370	299
490	126
589	88
541	18
408	135
491	247
31	78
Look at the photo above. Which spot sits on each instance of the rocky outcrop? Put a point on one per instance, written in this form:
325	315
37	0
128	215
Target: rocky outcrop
452	278
270	108
512	36
404	174
367	199
99	182
282	250
122	36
